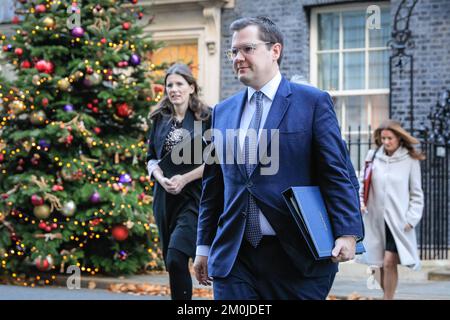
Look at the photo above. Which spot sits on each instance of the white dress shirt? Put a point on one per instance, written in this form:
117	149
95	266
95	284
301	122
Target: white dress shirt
269	90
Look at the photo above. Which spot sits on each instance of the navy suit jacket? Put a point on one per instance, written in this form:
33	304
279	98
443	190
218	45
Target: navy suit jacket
311	152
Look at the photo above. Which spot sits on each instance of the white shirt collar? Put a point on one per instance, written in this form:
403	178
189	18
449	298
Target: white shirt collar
269	89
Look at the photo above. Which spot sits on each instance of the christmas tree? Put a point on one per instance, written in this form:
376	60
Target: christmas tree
73	184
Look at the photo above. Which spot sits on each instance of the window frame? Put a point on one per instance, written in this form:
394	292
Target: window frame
314	39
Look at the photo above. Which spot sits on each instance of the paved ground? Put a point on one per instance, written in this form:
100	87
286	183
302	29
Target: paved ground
53	293
351	280
407	290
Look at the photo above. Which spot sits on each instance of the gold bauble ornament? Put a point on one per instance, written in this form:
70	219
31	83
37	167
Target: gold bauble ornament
17	107
38	117
94	79
89	141
63	84
36	80
48	22
78	75
42	212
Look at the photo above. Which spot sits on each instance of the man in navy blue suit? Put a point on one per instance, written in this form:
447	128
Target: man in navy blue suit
248	244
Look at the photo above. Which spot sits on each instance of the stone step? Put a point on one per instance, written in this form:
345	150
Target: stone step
439	275
440	270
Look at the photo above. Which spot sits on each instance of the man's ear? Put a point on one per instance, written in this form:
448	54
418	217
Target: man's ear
276	51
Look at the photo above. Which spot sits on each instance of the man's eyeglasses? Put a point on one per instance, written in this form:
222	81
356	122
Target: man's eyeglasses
246	49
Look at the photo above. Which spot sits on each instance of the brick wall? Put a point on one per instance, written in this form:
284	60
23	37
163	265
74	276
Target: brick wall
292	17
430	26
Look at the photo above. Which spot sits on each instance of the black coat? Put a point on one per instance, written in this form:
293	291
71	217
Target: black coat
175	215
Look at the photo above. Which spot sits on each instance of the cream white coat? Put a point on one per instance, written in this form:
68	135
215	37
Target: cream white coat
396	197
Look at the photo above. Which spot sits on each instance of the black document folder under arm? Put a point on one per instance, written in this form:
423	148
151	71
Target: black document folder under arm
309	211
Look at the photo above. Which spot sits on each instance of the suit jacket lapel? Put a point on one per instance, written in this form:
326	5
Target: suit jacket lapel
235	121
188	122
163	129
277	111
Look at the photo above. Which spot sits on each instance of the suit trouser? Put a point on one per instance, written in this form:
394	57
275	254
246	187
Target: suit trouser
266	272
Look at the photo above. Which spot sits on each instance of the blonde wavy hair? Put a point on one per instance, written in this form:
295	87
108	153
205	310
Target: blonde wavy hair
406	140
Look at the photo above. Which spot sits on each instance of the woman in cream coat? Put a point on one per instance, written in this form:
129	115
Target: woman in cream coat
395	205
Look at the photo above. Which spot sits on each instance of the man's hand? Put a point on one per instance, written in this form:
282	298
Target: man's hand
344	249
408	227
177	184
201	270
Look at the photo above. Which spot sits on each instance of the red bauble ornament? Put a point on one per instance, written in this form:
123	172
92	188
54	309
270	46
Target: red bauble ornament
14	237
25	64
123	110
2	157
44	66
120	233
34	161
48	229
40	8
50	67
89	70
18	51
103	41
97	130
69	139
56	188
42	225
43	264
36	200
126	25
44	102
15	20
158	88
41	66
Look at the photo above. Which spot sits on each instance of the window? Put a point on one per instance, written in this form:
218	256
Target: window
351	62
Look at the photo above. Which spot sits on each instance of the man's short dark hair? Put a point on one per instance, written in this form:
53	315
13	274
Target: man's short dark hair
268	31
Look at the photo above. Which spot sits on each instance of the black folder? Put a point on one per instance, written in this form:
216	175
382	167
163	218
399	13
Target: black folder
309	211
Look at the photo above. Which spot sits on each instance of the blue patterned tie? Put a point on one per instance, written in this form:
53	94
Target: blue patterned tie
252	228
